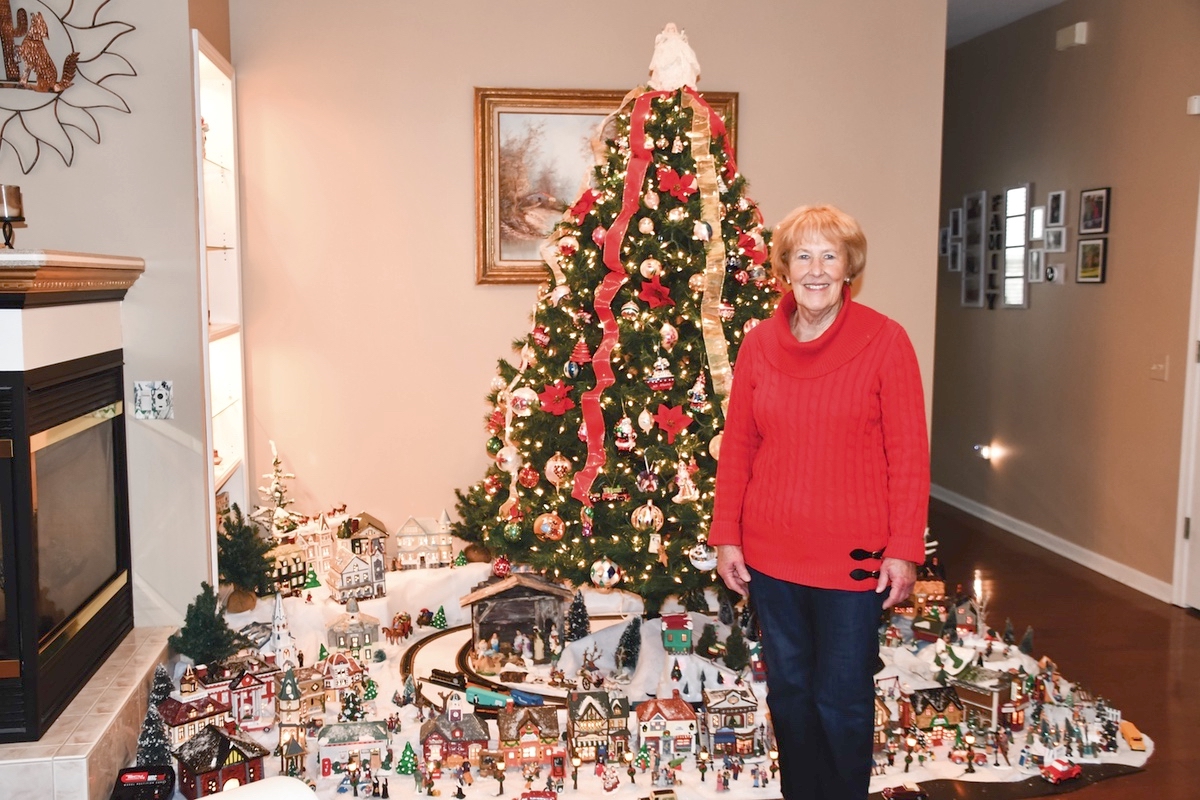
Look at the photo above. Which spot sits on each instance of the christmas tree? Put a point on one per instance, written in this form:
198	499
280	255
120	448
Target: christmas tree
352	710
707	641
162	686
655	274
439	619
370	690
242	556
205	637
153	747
322	653
311	580
630	645
274	514
460	560
578	623
408	761
737	652
1026	645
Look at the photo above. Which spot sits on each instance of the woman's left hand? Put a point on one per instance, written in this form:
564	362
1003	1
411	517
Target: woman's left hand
900	575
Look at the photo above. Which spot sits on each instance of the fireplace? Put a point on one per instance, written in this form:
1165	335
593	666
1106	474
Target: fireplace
66	597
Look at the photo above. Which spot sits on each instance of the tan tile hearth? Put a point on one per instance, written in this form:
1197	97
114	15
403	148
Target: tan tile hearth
96	735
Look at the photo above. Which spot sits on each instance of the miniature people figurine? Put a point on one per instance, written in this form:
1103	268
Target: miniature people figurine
526	647
385	789
495	643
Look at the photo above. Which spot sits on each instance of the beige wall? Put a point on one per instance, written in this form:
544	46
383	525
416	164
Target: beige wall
211	18
135	194
1064	386
370	348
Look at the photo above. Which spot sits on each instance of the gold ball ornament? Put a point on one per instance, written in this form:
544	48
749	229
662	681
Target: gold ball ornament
651	199
696	282
498	383
650	267
647	517
646	225
677	214
646	420
549	527
714	447
558	470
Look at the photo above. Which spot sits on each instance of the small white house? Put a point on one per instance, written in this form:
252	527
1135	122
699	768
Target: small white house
423	542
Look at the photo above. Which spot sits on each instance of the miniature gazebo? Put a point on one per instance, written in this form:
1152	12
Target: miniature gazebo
522	602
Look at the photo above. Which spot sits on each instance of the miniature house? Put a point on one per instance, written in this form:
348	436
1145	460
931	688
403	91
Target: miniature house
341	742
186	716
668	726
354	631
922	705
280	648
677	633
522	602
350	576
311	681
319	545
729	720
247	684
529	735
289	570
293	733
988	696
454	736
369	542
423	542
597	725
341	673
215	760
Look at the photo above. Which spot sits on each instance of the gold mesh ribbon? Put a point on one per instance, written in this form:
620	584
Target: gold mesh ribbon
715	346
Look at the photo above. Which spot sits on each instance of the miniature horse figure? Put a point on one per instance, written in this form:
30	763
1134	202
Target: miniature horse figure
33	54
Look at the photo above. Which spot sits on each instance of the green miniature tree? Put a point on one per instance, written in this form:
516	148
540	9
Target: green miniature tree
950	626
676	671
1010	637
312	581
578	623
153	746
322	653
707	640
162	686
205	637
275	515
1026	645
242	558
352	710
345	530
408	761
643	757
370	690
737	652
630	645
439	619
460	560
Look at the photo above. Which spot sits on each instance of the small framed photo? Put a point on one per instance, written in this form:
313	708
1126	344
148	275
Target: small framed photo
944	242
1056	209
956	256
1037	223
1055	272
1055	240
1092	261
1093	210
1036	270
956	223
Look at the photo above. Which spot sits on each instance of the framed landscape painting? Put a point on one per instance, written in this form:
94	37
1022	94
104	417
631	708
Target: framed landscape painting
533	158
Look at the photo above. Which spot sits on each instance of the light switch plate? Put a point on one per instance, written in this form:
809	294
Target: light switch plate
153	400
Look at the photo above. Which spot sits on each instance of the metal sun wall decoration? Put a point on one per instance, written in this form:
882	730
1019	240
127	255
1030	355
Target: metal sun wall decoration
57	56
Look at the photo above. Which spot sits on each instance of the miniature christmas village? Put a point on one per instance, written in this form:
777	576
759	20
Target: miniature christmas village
514	677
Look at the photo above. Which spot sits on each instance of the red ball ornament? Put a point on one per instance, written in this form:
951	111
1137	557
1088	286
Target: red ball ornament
501	567
741	276
540	335
598	235
492	484
528	476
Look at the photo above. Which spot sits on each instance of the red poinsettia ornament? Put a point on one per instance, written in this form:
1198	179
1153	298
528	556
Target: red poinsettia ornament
555	398
655	294
681	187
673	420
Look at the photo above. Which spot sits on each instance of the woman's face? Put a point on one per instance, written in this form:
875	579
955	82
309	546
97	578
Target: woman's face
817	269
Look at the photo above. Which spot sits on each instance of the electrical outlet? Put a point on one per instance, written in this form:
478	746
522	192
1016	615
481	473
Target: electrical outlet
1159	369
153	400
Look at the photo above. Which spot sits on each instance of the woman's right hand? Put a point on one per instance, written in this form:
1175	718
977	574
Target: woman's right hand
731	566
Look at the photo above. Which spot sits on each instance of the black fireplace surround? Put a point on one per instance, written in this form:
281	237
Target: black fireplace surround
66	599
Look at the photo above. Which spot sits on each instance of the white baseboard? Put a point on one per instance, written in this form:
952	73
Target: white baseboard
1135	579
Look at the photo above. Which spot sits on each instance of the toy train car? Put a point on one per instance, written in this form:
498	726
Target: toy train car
478	696
526	698
453	680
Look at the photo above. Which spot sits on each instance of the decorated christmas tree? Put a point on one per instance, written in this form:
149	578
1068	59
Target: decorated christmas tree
630	645
352	710
370	690
578	623
407	764
153	746
439	619
311	580
274	514
162	686
205	636
606	433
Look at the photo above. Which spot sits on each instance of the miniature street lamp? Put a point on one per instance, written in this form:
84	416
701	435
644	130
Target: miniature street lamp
702	763
575	762
352	769
628	756
774	756
970	740
911	741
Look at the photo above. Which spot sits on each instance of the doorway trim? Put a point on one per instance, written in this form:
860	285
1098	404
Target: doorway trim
1190	449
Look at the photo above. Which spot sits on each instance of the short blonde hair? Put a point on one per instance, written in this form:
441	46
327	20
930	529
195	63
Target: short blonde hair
825	221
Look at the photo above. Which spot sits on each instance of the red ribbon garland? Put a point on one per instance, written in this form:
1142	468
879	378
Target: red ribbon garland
717	125
635	177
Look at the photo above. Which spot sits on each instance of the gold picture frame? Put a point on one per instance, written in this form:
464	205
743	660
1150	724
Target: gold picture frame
547	133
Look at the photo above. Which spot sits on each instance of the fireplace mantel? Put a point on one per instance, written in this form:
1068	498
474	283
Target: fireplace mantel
52	277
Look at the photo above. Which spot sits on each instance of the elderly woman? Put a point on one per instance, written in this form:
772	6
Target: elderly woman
822	494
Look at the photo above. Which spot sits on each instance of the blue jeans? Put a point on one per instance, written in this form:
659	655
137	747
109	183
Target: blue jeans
821	648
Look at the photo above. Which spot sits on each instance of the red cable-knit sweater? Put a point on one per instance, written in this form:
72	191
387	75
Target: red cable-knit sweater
825	450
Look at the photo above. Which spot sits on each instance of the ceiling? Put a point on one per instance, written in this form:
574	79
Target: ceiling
967	19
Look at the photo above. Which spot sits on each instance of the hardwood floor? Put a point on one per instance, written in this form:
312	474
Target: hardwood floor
1140	653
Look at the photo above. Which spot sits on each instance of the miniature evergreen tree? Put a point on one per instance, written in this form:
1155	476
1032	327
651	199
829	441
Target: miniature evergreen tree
162	686
1026	645
205	637
950	627
408	761
312	581
242	557
737	652
578	623
1010	637
370	690
643	757
637	264
322	653
630	645
439	619
274	514
460	560
352	710
345	529
676	671
707	640
153	747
